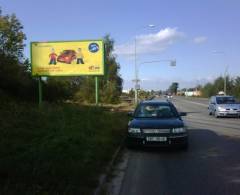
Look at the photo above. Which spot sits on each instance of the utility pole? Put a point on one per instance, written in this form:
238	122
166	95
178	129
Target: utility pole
136	80
136	75
225	80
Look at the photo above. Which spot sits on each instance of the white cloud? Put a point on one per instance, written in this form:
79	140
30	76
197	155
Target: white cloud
150	43
200	39
218	52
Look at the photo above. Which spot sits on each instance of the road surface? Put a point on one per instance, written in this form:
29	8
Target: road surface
210	166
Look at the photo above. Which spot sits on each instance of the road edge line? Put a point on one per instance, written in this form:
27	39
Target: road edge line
103	177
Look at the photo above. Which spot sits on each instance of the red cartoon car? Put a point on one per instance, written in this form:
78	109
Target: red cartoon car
67	56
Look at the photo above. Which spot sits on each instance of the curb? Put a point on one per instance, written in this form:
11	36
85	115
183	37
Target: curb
103	177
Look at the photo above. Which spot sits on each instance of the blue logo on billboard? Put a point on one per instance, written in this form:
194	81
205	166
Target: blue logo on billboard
93	47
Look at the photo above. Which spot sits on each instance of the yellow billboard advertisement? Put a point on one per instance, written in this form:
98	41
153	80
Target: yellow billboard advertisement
67	58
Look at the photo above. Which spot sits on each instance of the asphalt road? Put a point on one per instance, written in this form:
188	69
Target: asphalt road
210	166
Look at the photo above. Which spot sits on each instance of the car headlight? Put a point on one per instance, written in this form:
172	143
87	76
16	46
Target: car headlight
179	130
134	130
221	108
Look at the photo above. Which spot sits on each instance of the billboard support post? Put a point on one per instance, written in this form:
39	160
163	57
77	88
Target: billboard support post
68	58
96	90
40	91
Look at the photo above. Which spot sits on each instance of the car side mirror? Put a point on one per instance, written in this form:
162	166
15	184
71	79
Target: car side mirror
130	113
182	113
213	103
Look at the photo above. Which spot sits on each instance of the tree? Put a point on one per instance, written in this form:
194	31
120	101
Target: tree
11	36
173	88
236	90
198	87
110	85
112	82
208	90
131	93
15	80
211	89
15	77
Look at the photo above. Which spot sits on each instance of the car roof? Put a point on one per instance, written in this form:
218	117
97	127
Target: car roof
156	101
69	50
223	96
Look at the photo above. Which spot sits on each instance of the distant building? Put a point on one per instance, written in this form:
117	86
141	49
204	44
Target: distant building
180	93
126	90
196	93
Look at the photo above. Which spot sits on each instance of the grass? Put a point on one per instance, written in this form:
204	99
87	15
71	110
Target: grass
58	149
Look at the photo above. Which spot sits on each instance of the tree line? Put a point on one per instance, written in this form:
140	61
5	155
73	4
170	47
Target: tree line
216	86
212	88
15	71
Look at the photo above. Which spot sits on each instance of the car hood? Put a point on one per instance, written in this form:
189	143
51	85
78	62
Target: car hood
230	106
144	123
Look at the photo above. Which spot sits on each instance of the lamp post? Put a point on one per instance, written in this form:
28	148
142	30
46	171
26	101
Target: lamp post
172	63
225	80
225	72
136	74
136	80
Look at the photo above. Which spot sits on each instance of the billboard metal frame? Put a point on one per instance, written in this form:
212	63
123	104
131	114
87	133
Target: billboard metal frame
70	75
85	40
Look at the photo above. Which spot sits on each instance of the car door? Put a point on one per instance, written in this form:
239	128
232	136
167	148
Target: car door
212	105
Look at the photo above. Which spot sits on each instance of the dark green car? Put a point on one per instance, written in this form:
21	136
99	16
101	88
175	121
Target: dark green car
157	123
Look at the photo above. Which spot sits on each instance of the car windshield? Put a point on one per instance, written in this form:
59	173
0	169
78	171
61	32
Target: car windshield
67	52
155	111
226	100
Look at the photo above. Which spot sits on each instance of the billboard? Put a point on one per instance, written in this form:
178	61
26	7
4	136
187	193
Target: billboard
67	58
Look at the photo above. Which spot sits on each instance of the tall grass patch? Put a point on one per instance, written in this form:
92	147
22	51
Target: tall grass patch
58	149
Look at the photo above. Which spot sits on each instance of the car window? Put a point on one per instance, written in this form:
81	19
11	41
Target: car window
225	100
155	111
211	100
67	52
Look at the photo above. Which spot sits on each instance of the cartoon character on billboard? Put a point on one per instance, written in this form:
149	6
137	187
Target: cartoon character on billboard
53	57
80	56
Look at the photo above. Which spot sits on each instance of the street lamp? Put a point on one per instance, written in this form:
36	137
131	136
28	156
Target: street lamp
225	80
137	86
172	62
136	80
225	72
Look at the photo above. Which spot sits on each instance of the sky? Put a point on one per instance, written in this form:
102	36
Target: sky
202	36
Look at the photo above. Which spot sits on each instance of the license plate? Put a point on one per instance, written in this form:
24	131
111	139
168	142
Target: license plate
156	139
233	112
